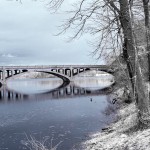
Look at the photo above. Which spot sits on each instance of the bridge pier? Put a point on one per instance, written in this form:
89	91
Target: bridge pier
3	76
9	73
17	72
75	71
61	71
68	72
81	70
0	75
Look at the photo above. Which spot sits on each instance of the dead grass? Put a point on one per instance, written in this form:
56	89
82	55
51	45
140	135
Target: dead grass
34	144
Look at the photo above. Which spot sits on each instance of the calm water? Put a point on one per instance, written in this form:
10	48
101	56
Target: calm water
35	108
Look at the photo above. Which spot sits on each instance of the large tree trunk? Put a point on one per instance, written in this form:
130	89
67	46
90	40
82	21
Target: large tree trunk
131	58
146	13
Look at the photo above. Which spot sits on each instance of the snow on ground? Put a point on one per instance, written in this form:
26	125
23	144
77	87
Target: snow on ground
148	86
116	137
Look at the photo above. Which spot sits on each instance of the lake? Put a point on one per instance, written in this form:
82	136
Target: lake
36	110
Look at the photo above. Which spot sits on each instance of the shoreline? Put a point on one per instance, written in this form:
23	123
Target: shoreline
119	135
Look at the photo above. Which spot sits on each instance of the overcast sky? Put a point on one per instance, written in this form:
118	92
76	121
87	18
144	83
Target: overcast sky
27	37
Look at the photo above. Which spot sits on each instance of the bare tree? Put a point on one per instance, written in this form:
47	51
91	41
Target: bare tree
133	65
111	22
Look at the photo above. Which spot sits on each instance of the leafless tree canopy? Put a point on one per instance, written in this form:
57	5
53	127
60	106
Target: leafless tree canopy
112	23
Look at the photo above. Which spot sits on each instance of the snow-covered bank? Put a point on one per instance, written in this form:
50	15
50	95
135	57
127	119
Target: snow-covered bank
116	138
119	141
118	135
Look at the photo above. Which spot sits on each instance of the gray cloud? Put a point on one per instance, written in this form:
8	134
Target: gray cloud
26	37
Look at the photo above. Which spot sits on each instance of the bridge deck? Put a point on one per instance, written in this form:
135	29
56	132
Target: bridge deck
55	66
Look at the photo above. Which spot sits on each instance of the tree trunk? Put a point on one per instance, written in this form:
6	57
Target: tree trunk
146	13
131	58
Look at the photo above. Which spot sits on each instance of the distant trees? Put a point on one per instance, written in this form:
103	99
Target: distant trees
112	22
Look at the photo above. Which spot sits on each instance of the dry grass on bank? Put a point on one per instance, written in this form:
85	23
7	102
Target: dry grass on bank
34	144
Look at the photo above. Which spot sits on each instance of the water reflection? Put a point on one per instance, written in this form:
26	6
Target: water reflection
94	83
34	86
69	91
65	114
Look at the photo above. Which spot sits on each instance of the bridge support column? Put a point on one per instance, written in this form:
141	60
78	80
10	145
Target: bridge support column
15	72
75	71
68	72
3	76
61	71
81	70
8	73
0	75
11	72
71	74
19	71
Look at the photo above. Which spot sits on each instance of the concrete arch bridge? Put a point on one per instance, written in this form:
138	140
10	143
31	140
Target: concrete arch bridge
65	72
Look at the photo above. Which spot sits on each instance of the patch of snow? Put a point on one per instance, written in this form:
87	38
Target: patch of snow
116	139
119	92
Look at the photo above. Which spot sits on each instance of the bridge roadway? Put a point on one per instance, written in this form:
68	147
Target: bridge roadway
65	72
54	66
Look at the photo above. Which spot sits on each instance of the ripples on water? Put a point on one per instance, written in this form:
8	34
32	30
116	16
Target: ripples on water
36	107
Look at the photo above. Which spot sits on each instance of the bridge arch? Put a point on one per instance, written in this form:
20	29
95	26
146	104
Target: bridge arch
66	80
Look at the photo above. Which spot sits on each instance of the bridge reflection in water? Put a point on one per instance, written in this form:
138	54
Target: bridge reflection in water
69	91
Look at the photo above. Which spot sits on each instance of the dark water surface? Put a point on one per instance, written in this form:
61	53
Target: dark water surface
35	108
